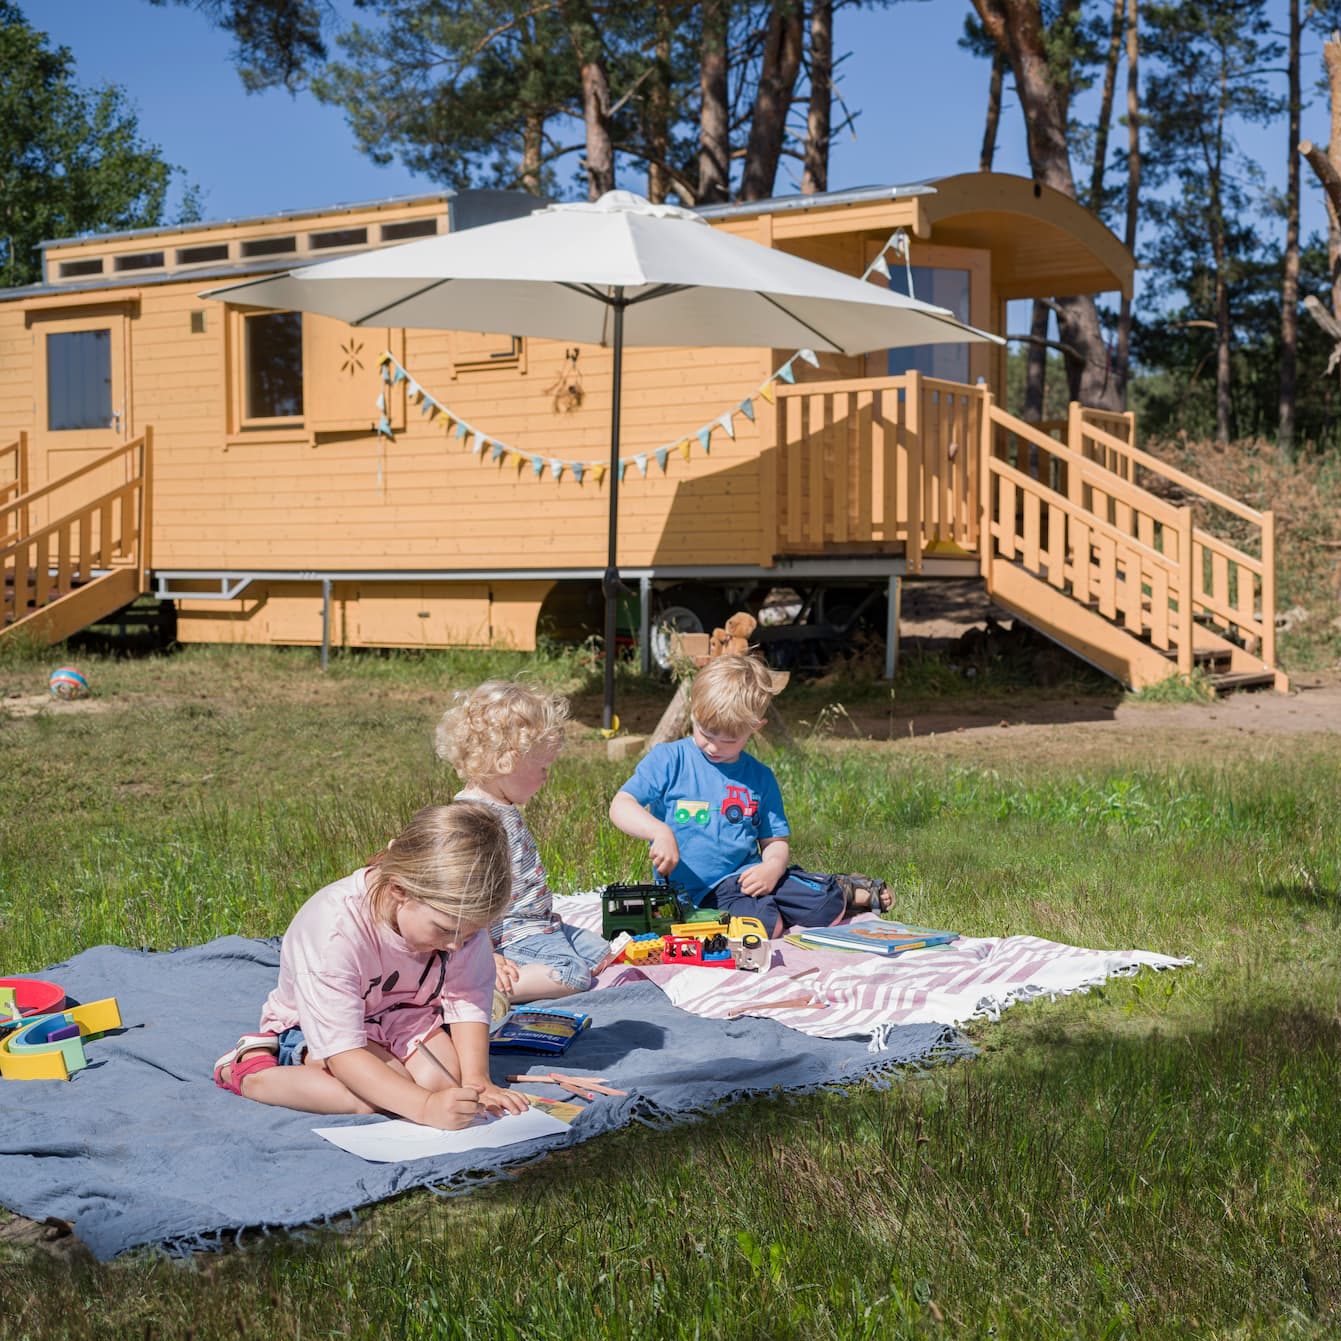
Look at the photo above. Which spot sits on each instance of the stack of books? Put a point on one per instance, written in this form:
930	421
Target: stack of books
876	938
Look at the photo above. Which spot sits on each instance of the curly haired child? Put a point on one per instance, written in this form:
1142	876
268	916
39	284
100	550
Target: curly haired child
386	982
502	739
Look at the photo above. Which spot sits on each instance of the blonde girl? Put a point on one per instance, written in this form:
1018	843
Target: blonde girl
502	738
386	982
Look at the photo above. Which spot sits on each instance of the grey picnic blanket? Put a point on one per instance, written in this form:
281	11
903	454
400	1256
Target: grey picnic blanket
141	1148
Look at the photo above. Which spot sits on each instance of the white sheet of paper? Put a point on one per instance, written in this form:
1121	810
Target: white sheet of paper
391	1141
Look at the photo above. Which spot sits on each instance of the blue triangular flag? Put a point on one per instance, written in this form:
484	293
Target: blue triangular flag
747	409
400	375
496	451
462	428
661	454
538	466
623	466
577	469
786	373
705	437
384	426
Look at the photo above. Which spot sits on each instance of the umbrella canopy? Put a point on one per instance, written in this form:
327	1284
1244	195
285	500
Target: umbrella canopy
617	271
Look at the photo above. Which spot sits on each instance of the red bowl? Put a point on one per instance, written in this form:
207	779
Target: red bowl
35	997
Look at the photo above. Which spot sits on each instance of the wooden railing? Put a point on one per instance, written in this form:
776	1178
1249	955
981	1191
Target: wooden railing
14	484
1100	539
111	531
1234	589
877	463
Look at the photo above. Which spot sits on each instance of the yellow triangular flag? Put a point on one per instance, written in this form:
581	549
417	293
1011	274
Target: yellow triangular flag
598	473
766	391
685	449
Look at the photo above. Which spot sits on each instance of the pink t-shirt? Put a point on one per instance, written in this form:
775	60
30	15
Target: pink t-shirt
347	979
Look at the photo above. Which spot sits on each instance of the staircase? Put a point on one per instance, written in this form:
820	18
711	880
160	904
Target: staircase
1100	546
58	576
1115	571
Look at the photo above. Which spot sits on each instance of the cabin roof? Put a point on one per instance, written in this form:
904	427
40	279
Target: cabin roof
1043	243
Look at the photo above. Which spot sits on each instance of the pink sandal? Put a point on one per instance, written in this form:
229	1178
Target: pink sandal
263	1049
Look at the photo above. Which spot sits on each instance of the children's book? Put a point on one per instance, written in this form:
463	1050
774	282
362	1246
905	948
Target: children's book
532	1029
879	938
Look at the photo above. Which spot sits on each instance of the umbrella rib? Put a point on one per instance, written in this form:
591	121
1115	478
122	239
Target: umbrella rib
405	298
832	344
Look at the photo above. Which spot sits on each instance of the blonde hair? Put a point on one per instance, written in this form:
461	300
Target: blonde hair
454	858
486	733
731	695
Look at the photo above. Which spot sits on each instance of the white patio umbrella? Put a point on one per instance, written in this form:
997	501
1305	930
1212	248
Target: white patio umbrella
619	271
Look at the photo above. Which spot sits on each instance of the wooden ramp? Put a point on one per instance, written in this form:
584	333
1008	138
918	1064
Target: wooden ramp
58	576
1116	572
1104	548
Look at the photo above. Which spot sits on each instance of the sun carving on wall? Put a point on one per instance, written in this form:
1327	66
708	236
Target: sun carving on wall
352	354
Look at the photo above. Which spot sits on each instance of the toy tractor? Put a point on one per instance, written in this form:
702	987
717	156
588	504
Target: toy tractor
739	804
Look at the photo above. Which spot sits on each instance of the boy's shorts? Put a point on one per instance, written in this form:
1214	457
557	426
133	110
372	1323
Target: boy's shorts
569	952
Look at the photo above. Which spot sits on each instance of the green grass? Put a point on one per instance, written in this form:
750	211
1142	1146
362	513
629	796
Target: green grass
1154	1159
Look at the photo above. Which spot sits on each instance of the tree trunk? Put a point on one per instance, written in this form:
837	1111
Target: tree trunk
816	175
1096	199
989	129
1016	26
714	153
1224	405
1121	363
1331	58
1289	291
658	109
533	143
777	81
1036	367
595	84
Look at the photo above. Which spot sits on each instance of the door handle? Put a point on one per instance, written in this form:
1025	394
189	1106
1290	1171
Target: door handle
116	421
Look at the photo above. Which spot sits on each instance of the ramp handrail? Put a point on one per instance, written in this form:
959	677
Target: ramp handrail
111	530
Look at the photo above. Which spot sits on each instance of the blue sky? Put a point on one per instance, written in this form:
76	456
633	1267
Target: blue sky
921	97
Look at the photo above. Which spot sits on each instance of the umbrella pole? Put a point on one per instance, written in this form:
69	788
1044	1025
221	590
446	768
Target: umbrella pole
611	583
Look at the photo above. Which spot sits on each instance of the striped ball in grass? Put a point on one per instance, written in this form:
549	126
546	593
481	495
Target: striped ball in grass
67	682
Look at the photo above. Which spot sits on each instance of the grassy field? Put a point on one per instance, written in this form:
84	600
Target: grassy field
1155	1159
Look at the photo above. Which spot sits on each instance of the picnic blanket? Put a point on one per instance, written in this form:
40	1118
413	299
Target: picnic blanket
972	978
143	1148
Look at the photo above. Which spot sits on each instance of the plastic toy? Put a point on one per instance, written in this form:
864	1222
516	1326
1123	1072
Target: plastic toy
746	926
738	804
699	929
751	953
640	908
67	682
32	996
711	952
51	1046
644	949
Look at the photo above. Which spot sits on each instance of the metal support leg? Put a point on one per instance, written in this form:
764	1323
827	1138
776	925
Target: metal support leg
645	624
325	622
892	610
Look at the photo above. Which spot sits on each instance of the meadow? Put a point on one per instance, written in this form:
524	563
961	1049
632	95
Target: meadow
1157	1158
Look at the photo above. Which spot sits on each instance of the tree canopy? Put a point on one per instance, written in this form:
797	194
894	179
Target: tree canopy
72	160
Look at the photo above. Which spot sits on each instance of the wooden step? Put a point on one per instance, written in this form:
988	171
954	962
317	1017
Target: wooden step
1229	682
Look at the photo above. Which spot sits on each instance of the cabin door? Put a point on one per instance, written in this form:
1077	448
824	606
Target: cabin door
82	402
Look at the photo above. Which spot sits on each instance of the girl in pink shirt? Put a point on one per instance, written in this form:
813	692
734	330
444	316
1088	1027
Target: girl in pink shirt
386	984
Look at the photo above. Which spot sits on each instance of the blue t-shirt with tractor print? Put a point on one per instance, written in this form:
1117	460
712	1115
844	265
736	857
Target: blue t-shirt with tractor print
718	812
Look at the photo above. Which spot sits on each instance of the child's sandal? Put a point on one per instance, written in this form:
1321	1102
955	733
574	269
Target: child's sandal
865	894
263	1050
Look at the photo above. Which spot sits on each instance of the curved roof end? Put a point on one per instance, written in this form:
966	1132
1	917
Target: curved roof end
1043	243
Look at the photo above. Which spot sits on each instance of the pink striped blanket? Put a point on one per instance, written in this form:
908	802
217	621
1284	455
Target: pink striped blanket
845	993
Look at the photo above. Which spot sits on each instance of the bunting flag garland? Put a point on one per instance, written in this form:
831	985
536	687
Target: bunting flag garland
898	244
393	374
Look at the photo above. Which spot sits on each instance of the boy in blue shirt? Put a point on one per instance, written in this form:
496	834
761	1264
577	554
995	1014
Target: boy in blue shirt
713	814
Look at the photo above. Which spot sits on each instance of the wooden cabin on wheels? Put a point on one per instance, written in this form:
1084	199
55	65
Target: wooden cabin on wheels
285	478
